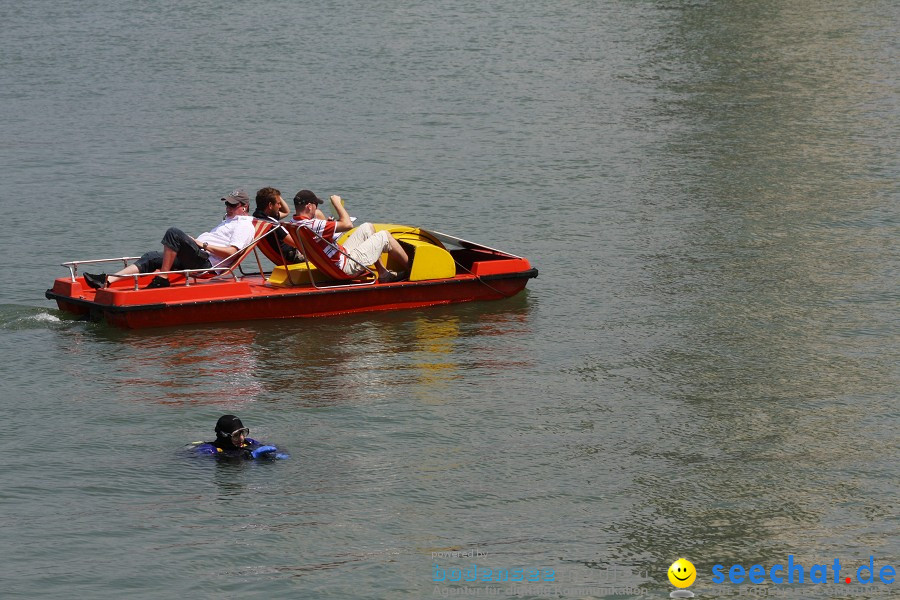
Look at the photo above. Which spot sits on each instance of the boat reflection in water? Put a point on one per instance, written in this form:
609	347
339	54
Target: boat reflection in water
363	359
214	366
433	357
349	359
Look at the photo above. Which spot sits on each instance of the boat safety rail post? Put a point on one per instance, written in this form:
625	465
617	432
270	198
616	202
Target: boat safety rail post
188	273
281	227
258	262
73	265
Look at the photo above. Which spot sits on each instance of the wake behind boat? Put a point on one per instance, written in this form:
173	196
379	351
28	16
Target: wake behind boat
442	270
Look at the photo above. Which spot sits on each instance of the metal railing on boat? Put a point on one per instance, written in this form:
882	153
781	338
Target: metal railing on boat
234	260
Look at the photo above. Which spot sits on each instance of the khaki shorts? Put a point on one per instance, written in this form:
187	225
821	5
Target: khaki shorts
364	246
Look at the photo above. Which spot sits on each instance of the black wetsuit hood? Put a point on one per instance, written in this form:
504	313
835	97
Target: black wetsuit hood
224	427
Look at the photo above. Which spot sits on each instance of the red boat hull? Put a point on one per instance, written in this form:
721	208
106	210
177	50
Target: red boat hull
252	298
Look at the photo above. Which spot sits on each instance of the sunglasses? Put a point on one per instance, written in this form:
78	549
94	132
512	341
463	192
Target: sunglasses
236	434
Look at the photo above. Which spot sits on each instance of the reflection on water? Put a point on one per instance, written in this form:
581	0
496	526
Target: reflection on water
363	358
204	365
754	372
434	357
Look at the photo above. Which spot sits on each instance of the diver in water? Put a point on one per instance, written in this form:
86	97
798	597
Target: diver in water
232	442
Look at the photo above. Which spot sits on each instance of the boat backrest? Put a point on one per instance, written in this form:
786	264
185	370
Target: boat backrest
270	246
307	241
261	229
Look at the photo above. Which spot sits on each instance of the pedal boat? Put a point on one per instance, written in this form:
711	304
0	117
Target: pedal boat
443	270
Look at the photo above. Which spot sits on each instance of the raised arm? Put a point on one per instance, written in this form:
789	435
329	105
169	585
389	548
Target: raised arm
283	208
343	221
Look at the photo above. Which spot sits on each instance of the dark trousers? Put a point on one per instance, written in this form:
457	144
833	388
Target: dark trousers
188	255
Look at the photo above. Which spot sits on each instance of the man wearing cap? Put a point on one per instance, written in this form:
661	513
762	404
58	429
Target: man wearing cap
363	247
181	251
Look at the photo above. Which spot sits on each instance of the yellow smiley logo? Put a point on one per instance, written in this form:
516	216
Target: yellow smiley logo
682	573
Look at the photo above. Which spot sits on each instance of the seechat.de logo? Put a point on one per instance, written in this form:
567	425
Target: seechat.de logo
794	572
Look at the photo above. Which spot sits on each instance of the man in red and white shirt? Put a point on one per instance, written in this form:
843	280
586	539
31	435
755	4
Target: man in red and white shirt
363	247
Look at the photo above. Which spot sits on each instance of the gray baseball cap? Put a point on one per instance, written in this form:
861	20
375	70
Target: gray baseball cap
238	196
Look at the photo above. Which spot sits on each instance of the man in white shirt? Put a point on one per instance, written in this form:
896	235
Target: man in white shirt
181	251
